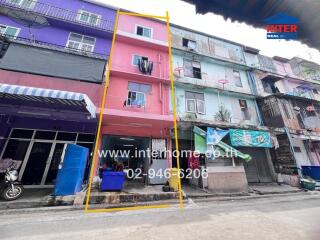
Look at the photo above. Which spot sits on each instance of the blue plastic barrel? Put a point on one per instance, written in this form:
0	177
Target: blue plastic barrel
112	181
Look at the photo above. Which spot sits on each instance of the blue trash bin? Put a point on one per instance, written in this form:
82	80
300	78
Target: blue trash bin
311	171
112	181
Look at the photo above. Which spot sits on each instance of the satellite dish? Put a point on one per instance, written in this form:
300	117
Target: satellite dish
28	19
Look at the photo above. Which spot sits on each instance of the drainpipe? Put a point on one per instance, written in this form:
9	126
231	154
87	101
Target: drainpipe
292	150
161	97
253	88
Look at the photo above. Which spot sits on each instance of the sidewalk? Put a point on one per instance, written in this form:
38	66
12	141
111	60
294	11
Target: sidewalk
33	198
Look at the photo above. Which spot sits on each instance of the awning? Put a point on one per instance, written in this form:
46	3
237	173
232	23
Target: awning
48	96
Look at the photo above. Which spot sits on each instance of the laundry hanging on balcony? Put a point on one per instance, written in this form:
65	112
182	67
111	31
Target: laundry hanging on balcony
145	66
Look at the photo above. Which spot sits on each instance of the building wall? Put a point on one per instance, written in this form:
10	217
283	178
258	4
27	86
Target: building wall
208	46
212	102
58	31
123	60
128	24
94	91
118	93
212	73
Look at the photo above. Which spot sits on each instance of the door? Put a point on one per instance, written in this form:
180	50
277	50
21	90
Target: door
257	170
36	163
53	164
158	167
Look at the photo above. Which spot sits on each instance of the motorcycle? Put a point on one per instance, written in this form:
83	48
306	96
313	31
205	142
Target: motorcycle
10	188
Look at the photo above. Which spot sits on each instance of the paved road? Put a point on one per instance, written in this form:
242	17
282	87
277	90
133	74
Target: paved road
287	217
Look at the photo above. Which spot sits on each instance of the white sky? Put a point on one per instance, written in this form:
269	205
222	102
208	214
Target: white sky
184	14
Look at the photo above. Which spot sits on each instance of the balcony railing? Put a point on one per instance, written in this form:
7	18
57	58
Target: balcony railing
36	43
55	12
210	80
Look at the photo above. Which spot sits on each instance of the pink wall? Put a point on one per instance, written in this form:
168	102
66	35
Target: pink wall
118	93
155	119
94	91
123	54
128	24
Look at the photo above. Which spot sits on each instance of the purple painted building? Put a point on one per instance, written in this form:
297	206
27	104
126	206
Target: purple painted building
52	21
51	76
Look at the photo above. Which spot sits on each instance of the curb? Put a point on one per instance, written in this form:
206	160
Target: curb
68	205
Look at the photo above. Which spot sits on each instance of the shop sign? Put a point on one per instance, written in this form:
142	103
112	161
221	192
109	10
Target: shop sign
249	138
215	136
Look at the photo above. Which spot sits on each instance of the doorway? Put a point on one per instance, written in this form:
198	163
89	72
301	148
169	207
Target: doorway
40	152
257	169
129	152
36	163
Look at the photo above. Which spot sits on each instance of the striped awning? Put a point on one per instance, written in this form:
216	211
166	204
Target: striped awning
50	96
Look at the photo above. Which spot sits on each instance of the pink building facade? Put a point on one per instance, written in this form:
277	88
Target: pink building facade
136	114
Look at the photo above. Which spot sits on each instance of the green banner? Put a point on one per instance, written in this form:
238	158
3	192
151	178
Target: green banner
249	138
200	143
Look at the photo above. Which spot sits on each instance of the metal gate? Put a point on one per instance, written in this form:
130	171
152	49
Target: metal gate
257	170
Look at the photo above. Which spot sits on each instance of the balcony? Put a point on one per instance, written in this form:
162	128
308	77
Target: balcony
40	58
55	13
56	47
203	80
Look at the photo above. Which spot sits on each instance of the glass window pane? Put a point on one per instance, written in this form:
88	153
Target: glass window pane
136	60
133	86
75	37
191	105
190	95
66	136
88	40
145	88
93	19
11	32
140	31
199	96
86	137
22	133
47	135
147	32
16	149
84	16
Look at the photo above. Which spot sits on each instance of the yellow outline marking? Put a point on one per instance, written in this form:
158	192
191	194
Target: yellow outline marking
129	208
101	111
173	101
94	160
142	15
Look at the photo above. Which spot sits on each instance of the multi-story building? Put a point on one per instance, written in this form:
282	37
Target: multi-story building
213	89
288	100
136	114
52	65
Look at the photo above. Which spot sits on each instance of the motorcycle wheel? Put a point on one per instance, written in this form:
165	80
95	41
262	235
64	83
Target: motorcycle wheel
9	195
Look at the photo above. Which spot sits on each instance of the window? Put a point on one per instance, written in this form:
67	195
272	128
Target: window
81	42
88	17
195	102
244	109
237	78
144	31
192	68
10	32
190	44
296	149
137	94
136	58
23	3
